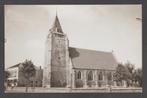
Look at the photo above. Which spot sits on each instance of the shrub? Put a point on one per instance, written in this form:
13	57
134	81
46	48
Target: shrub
64	84
55	83
90	83
79	83
101	83
58	83
110	82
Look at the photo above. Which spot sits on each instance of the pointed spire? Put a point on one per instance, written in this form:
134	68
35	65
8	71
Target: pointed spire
56	25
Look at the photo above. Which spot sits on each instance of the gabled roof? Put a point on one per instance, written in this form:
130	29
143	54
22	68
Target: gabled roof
19	64
91	59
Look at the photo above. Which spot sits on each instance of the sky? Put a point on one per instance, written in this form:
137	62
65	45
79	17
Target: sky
97	27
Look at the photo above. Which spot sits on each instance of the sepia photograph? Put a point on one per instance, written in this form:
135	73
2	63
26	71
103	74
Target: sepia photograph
73	48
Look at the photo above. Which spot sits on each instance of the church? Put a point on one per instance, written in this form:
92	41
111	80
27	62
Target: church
71	67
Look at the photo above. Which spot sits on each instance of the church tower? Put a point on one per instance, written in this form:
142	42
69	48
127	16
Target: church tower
56	69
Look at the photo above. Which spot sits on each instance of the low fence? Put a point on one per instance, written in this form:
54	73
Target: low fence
75	90
127	90
108	90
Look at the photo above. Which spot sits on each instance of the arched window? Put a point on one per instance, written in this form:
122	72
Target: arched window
100	76
79	75
90	76
109	75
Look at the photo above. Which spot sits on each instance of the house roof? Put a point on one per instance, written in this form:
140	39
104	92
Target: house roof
91	59
17	65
